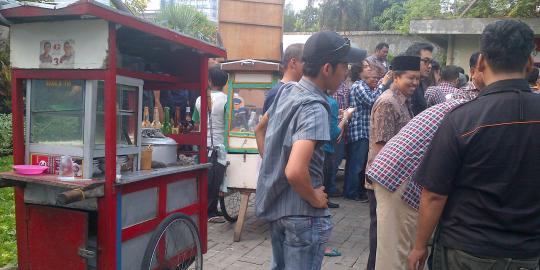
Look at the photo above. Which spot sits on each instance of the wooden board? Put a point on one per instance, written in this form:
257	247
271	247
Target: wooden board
252	29
252	13
251	42
55	236
48	179
243	173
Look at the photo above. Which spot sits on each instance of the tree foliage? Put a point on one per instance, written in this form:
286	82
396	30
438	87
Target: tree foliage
187	20
5	78
399	15
337	15
137	7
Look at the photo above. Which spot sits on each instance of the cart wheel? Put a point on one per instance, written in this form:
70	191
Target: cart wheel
175	245
230	205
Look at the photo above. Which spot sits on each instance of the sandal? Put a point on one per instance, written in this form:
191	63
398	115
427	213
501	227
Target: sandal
332	252
217	219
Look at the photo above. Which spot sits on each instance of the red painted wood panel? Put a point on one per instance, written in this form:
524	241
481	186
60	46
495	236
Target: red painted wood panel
107	220
203	158
55	236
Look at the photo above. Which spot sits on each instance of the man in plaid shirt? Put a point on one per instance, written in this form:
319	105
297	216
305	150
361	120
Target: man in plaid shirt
446	88
397	162
362	98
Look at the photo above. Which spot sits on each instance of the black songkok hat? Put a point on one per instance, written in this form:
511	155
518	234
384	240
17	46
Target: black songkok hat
406	62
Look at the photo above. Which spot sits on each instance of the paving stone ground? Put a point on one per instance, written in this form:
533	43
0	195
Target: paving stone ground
253	252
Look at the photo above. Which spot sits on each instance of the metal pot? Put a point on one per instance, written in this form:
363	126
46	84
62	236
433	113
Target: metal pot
164	149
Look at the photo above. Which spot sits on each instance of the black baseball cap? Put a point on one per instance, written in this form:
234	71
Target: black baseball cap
329	46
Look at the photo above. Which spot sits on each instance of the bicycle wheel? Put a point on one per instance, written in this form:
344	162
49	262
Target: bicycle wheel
175	245
230	205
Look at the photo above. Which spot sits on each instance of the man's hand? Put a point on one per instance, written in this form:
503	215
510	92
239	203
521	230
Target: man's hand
321	198
387	77
417	258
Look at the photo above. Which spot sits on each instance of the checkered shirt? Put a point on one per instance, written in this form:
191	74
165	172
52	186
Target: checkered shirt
342	96
399	159
468	92
437	94
361	98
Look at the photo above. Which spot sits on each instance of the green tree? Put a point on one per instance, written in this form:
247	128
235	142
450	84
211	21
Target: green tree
187	20
289	18
392	18
137	7
353	15
399	15
307	20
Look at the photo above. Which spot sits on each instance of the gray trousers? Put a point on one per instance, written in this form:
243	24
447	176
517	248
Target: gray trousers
452	259
372	229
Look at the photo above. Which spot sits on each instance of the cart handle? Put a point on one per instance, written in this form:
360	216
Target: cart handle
70	196
79	194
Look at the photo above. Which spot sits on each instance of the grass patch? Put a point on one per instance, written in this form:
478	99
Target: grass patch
8	244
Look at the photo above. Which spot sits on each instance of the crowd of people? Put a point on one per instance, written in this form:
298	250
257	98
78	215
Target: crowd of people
439	155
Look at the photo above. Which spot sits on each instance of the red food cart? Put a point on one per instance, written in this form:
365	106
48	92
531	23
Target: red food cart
79	71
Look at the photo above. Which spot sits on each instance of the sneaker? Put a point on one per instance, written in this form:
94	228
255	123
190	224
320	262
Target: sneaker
217	219
333	205
362	198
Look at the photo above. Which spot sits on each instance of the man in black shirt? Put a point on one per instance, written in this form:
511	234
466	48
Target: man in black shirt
481	174
425	52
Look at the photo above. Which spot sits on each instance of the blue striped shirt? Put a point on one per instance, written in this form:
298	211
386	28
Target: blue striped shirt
299	112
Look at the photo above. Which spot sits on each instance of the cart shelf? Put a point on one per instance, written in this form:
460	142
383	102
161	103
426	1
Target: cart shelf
48	179
132	177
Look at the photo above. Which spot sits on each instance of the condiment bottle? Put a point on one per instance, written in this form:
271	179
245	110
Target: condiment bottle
146	118
176	125
156	123
188	126
166	126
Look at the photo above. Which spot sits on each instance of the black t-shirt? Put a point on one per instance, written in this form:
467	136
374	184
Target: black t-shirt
486	158
418	101
271	96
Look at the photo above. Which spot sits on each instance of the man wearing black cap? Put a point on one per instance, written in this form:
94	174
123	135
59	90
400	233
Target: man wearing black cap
389	114
290	192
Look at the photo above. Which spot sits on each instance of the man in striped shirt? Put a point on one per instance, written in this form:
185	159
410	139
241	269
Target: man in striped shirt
290	192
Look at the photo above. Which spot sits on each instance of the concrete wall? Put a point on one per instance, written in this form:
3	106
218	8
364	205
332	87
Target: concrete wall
464	46
369	39
463	26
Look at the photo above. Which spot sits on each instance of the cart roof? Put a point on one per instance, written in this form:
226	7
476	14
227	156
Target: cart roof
27	12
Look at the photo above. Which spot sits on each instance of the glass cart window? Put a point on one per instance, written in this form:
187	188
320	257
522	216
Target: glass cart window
127	103
57	112
247	107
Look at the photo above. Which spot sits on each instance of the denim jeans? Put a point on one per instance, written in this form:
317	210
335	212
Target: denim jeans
355	169
298	242
329	176
339	155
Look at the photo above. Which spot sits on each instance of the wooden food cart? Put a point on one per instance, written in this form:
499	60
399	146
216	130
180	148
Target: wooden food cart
249	82
79	71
